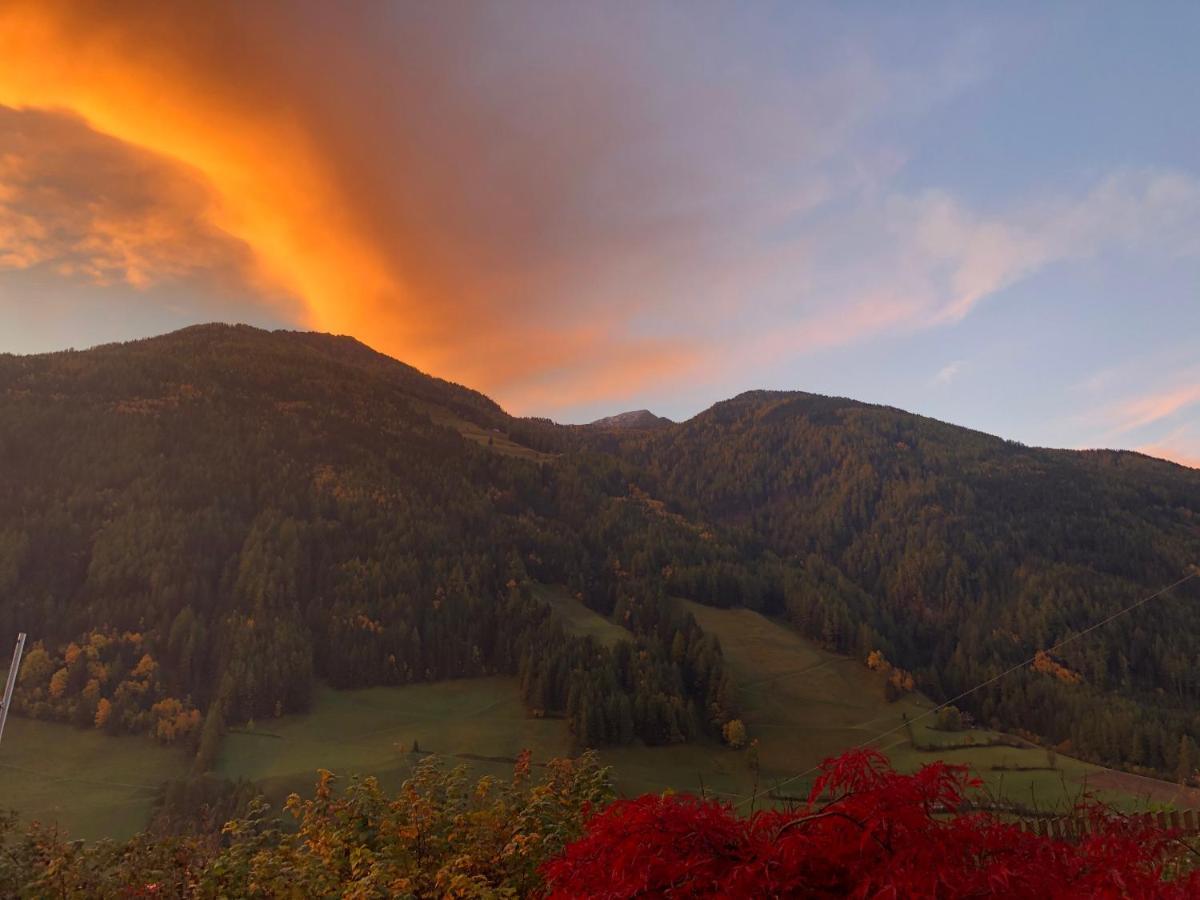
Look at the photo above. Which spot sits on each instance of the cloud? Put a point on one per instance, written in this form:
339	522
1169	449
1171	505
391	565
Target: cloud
885	263
1151	403
140	79
1182	445
98	209
957	257
553	203
1142	411
466	187
948	372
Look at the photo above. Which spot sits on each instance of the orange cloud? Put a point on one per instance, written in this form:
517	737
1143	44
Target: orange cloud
96	208
1169	453
461	186
519	198
1159	415
360	178
131	80
1176	448
605	369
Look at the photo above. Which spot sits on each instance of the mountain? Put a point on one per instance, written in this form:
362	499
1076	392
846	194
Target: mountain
960	554
195	527
203	523
638	419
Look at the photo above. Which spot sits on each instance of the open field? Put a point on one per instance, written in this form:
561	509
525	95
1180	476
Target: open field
496	441
578	619
479	721
802	703
805	704
90	784
1156	792
499	442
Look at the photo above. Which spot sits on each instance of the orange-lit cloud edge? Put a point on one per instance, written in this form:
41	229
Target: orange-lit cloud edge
275	200
274	189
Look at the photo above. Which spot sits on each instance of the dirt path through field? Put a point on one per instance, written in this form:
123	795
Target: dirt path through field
1155	790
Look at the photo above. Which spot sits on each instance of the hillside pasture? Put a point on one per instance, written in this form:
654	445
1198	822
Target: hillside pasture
578	619
370	731
805	704
490	438
87	783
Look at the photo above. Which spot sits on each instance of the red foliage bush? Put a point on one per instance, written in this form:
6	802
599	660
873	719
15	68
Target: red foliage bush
866	832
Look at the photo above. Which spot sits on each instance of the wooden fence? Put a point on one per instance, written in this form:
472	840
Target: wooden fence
1074	827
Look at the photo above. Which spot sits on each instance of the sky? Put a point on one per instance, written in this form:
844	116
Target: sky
985	213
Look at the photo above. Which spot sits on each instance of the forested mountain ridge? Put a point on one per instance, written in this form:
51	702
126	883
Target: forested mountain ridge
960	554
196	526
206	521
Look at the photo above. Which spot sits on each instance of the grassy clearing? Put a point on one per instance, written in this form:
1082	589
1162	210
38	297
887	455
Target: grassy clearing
92	785
805	704
496	441
479	721
578	619
802	703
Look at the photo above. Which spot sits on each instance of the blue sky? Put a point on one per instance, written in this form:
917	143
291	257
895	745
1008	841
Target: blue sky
989	214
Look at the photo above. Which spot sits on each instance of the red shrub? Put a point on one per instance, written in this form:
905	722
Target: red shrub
866	832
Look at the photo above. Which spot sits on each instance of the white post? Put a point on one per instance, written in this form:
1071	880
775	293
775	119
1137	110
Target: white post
12	681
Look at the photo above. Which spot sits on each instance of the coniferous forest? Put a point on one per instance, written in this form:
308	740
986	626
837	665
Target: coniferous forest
194	528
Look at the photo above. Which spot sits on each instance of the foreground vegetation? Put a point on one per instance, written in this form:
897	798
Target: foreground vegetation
863	831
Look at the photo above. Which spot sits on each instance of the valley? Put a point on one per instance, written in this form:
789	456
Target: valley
800	703
274	552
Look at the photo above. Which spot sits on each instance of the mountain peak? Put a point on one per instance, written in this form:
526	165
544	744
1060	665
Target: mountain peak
634	419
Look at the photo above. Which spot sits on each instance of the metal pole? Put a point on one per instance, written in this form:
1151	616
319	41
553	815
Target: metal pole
12	681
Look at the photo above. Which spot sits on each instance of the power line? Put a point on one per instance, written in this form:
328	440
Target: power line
929	712
94	782
13	673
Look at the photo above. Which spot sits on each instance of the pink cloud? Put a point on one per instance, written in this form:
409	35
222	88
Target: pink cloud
1181	445
1146	410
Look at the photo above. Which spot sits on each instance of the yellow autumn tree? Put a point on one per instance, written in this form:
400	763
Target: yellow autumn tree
902	680
145	668
1044	663
103	711
174	720
734	732
37	667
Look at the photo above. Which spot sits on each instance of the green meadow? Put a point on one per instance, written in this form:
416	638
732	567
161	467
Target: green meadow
494	440
477	721
801	703
90	784
805	704
578	619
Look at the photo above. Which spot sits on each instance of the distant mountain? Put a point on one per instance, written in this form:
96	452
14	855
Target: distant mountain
638	419
960	554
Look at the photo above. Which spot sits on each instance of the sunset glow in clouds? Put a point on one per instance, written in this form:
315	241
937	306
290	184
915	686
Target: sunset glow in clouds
580	208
